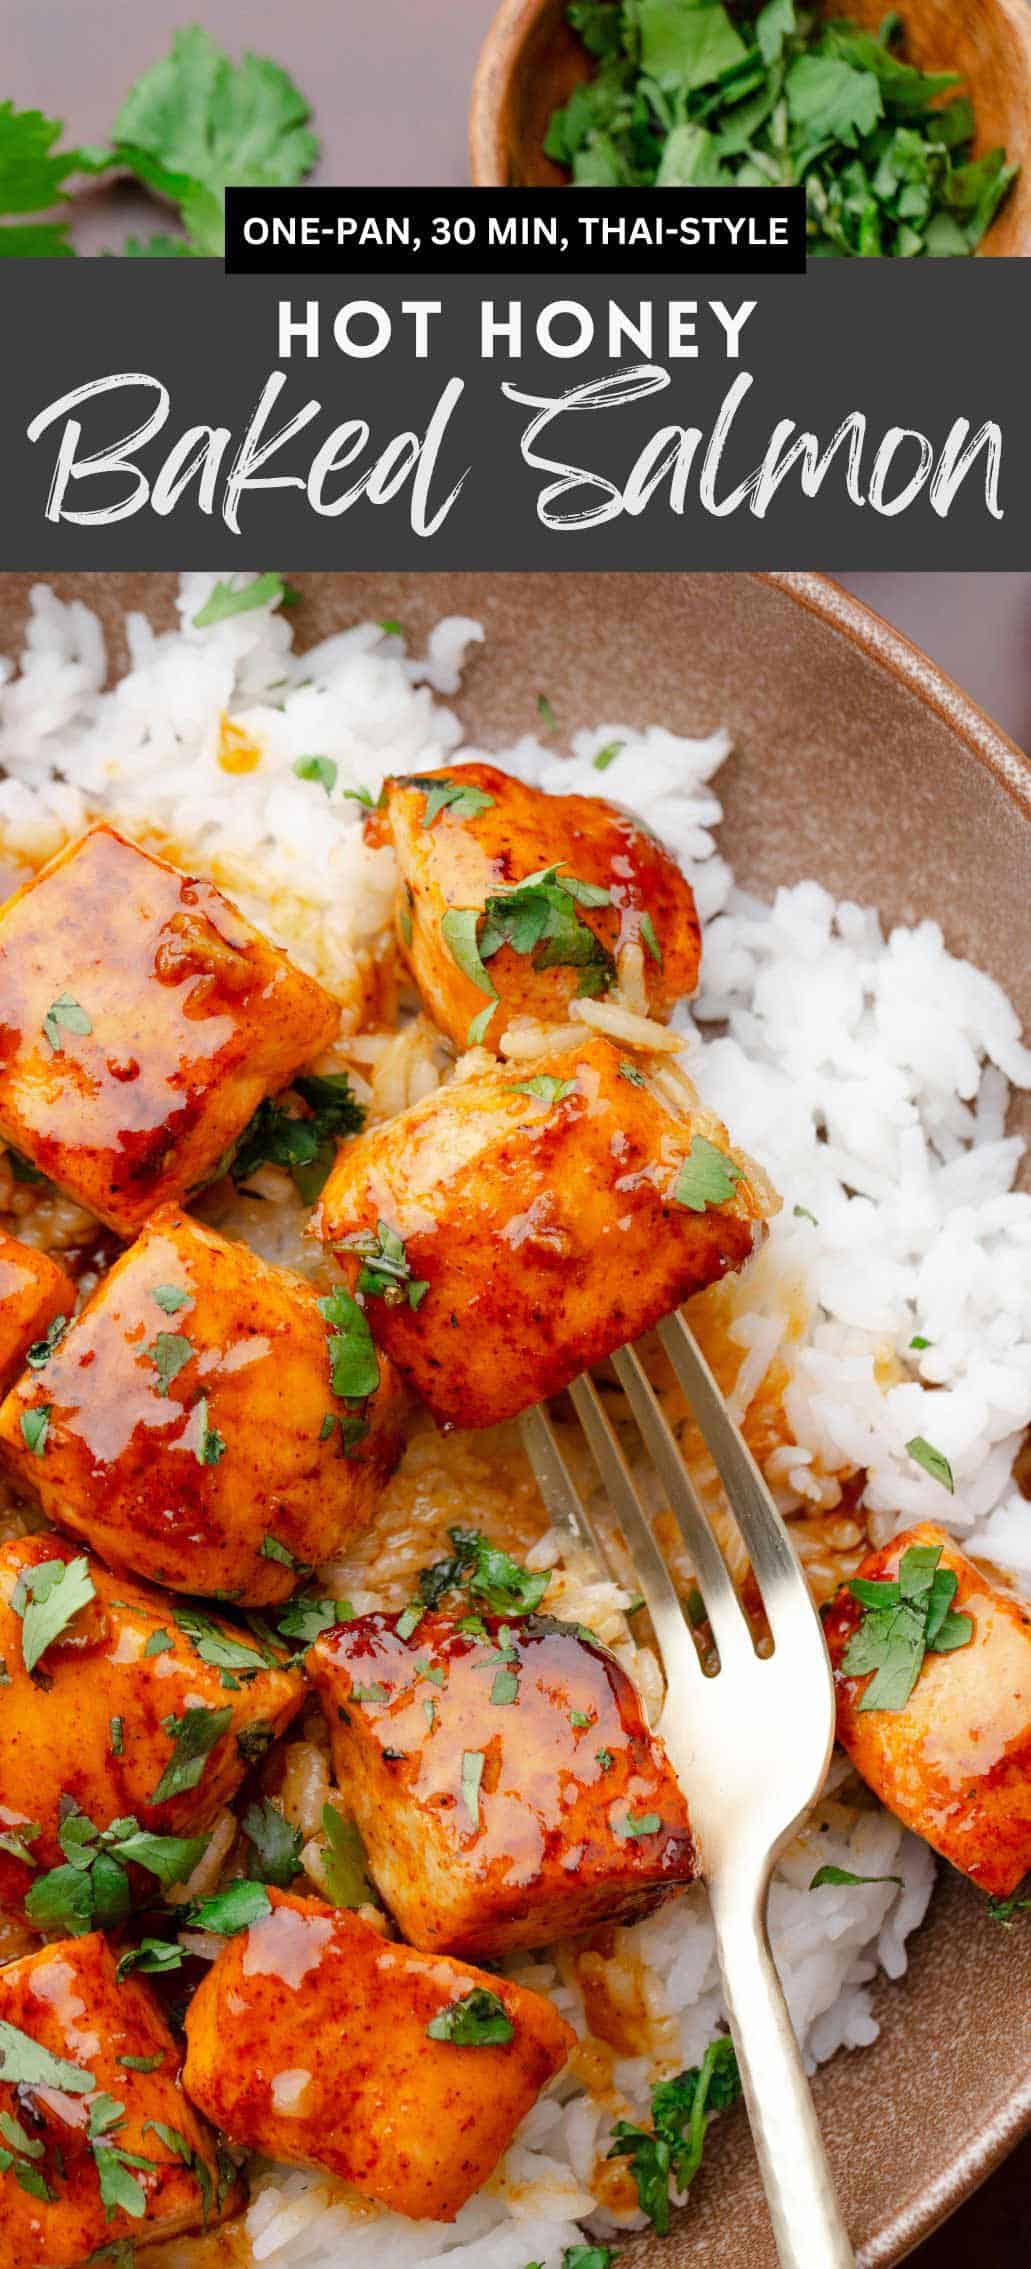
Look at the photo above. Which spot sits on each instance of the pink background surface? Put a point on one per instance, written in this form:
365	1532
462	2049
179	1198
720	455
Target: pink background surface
389	85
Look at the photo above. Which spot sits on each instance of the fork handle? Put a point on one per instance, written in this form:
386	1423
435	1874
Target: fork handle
800	2193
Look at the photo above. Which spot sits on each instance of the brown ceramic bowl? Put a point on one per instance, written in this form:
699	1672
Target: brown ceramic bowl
531	62
858	762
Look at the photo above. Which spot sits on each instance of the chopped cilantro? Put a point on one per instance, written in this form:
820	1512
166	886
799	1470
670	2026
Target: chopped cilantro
65	1015
607	755
802	1213
638	1824
159	1642
919	1342
901	1622
271	1549
487	1573
306	1617
35	1426
171	1297
505	1688
353	1362
707	1177
42	1349
169	1354
386	1271
1004	1910
320	768
826	1876
156	1957
545	1088
461	798
304	1145
649	939
92	1889
193	1737
478	2020
219	1647
933	1461
343	1862
47	1597
761	95
579	1718
117	1736
458	928
629	1071
669	2154
546	714
473	1761
603	1758
24	2063
238	598
373	1695
16	1841
275	1845
232	1910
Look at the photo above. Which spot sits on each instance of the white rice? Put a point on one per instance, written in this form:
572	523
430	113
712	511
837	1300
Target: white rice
869	1074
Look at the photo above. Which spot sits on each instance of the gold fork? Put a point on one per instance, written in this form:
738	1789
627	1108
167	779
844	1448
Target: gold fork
750	1744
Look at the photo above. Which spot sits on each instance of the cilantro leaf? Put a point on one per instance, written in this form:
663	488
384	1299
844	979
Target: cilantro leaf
387	1271
343	1861
670	2153
478	2020
353	1362
487	1573
35	1427
25	2064
462	798
169	1353
707	1177
275	1845
843	1875
232	1910
306	1145
902	1621
65	1015
319	768
39	1354
933	1461
52	1594
545	1088
193	1737
194	123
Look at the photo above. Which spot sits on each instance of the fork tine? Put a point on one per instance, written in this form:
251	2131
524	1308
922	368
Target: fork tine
562	1500
784	1594
653	1577
729	1629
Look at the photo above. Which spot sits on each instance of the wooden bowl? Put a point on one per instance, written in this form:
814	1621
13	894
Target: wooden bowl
858	762
531	61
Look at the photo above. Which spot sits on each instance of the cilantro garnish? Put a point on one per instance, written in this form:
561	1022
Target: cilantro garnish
232	1910
903	1620
386	1273
42	1349
486	1573
707	1177
479	2020
159	1642
171	1297
537	916
275	1845
343	1862
24	2063
169	1354
670	2153
459	797
546	714
120	2188
35	1426
607	755
545	1088
306	1146
47	1597
236	598
64	1015
306	1617
19	2155
156	1957
92	1889
353	1362
319	768
702	96
210	1444
638	1824
270	1548
505	1688
933	1461
222	1649
16	1841
193	1737
195	122
843	1875
1003	1910
629	1072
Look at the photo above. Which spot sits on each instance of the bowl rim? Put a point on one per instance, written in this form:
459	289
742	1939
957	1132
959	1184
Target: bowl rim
499	51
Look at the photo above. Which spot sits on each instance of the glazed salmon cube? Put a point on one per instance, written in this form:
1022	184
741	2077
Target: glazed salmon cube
467	837
506	1788
142	1021
953	1760
317	2042
544	1216
186	1424
102	2147
97	1723
34	1292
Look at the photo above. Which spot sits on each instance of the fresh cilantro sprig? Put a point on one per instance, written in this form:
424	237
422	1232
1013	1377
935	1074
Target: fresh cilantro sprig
759	96
461	798
902	1621
34	177
479	2020
92	1889
275	1845
47	1597
537	917
667	2155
